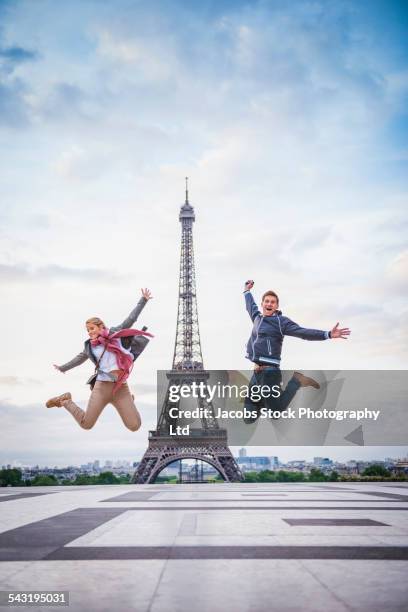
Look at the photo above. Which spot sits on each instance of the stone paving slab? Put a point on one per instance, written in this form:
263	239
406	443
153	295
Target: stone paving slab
241	547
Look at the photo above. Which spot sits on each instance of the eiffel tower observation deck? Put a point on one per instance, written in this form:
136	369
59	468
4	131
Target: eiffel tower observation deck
207	443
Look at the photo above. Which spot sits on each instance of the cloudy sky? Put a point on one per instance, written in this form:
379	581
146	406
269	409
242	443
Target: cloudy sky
290	118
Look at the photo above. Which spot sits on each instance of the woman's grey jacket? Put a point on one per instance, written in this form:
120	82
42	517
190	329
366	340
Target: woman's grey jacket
135	344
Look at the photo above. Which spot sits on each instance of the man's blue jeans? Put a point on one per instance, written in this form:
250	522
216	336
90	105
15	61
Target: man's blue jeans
270	377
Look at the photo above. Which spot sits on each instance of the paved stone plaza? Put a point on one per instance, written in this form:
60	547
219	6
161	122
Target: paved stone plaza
231	547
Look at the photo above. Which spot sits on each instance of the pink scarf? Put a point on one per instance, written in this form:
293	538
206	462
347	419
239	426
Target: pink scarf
114	345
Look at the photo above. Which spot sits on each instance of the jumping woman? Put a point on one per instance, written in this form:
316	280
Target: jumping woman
112	351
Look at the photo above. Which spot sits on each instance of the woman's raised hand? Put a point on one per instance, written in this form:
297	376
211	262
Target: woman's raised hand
146	294
57	368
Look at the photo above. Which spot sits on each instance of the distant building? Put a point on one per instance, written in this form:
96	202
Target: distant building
297	464
242	452
323	463
254	463
401	466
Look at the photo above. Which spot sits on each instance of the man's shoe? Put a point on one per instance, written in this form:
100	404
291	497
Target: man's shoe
305	381
56	401
253	407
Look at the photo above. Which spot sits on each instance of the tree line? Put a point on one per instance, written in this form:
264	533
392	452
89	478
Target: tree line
13	477
374	472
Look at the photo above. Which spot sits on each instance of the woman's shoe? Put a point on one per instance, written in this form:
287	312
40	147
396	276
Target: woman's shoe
56	401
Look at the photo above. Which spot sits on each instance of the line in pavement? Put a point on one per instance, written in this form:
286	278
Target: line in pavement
247	507
338	522
389	496
399	553
4	498
124	499
36	540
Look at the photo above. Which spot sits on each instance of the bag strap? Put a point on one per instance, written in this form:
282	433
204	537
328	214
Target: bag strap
100	358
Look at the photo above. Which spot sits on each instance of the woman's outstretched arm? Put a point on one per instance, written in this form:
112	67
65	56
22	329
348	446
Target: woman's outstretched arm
131	319
76	361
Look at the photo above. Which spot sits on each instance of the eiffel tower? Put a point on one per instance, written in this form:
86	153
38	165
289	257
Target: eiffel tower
207	443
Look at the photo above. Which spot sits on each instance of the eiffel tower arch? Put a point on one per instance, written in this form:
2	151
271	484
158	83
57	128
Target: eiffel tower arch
207	443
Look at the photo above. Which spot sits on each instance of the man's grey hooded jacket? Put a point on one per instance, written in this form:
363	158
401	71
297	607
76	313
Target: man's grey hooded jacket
265	343
135	344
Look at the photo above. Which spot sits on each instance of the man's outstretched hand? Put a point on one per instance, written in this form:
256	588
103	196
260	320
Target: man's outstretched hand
248	285
146	294
340	333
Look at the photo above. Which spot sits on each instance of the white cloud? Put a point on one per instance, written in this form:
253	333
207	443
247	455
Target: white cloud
12	381
145	58
24	273
84	164
398	272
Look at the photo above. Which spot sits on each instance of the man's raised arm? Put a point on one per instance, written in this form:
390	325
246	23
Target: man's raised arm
250	303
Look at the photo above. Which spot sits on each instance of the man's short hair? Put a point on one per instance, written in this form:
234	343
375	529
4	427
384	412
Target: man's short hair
270	293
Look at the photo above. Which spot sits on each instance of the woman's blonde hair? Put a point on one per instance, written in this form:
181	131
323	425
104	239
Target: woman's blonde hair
95	321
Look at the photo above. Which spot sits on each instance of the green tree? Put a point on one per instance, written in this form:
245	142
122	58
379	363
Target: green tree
250	477
11	477
333	476
107	478
44	480
163	478
266	476
83	479
285	476
376	470
214	480
317	475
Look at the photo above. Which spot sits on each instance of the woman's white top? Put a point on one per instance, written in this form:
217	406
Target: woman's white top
107	363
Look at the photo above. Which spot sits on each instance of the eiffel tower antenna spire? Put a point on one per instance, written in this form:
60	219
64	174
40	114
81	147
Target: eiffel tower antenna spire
187	349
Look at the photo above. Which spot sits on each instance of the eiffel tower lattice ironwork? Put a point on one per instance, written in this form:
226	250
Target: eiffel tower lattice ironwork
207	443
